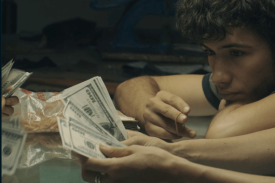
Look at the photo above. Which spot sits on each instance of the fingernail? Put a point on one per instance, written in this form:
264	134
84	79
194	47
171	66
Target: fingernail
186	109
182	117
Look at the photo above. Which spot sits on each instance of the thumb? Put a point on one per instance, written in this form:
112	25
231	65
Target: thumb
115	152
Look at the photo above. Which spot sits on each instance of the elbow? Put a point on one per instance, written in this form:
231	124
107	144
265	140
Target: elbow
118	96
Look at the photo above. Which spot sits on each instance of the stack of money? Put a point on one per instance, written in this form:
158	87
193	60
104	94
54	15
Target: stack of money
13	140
12	79
128	122
91	119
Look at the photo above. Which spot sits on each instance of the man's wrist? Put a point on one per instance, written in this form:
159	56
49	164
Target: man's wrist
185	150
184	170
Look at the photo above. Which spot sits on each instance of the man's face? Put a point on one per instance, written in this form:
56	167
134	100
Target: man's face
242	66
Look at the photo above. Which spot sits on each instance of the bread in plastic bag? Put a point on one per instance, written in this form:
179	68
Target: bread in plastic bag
39	111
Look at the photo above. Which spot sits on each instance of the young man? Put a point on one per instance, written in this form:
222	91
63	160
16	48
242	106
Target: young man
239	38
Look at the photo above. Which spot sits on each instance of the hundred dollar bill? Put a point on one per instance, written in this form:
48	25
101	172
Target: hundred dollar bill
111	115
86	141
12	146
6	70
96	107
98	82
15	79
12	124
72	110
64	132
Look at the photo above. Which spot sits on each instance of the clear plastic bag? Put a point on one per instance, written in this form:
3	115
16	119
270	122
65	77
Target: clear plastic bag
42	147
39	111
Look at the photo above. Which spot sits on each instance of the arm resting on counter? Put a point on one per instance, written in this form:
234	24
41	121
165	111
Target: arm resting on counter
237	119
132	95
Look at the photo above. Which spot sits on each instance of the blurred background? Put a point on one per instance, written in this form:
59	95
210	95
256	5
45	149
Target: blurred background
66	42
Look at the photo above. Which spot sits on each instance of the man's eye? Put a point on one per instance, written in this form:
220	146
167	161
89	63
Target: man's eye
236	53
209	52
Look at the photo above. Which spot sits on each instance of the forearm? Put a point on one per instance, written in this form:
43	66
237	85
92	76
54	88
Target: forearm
131	96
237	119
191	172
234	153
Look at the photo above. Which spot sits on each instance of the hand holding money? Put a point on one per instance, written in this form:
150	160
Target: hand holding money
91	119
12	79
130	164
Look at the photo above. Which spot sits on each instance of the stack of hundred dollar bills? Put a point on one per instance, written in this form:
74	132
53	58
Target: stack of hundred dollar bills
13	140
12	79
90	119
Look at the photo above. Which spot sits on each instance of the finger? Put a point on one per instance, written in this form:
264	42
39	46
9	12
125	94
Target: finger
99	165
165	123
4	115
168	111
133	141
12	101
8	110
174	101
159	132
133	134
191	133
3	101
116	152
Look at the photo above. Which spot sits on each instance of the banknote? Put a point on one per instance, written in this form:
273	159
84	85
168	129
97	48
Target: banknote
94	110
64	132
12	146
86	141
12	124
73	110
6	70
15	79
101	88
93	100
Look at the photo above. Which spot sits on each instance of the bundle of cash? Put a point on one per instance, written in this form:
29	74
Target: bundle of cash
128	122
12	79
13	140
91	119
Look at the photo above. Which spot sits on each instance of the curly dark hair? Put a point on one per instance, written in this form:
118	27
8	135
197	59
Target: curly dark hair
212	19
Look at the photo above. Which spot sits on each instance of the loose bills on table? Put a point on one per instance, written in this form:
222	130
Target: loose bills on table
13	140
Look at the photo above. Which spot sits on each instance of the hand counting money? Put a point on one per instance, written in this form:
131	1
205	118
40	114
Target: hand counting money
12	79
90	119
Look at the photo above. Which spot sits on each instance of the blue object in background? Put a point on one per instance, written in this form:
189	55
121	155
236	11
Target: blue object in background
126	38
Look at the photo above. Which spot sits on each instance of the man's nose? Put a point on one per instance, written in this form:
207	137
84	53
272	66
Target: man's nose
221	73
